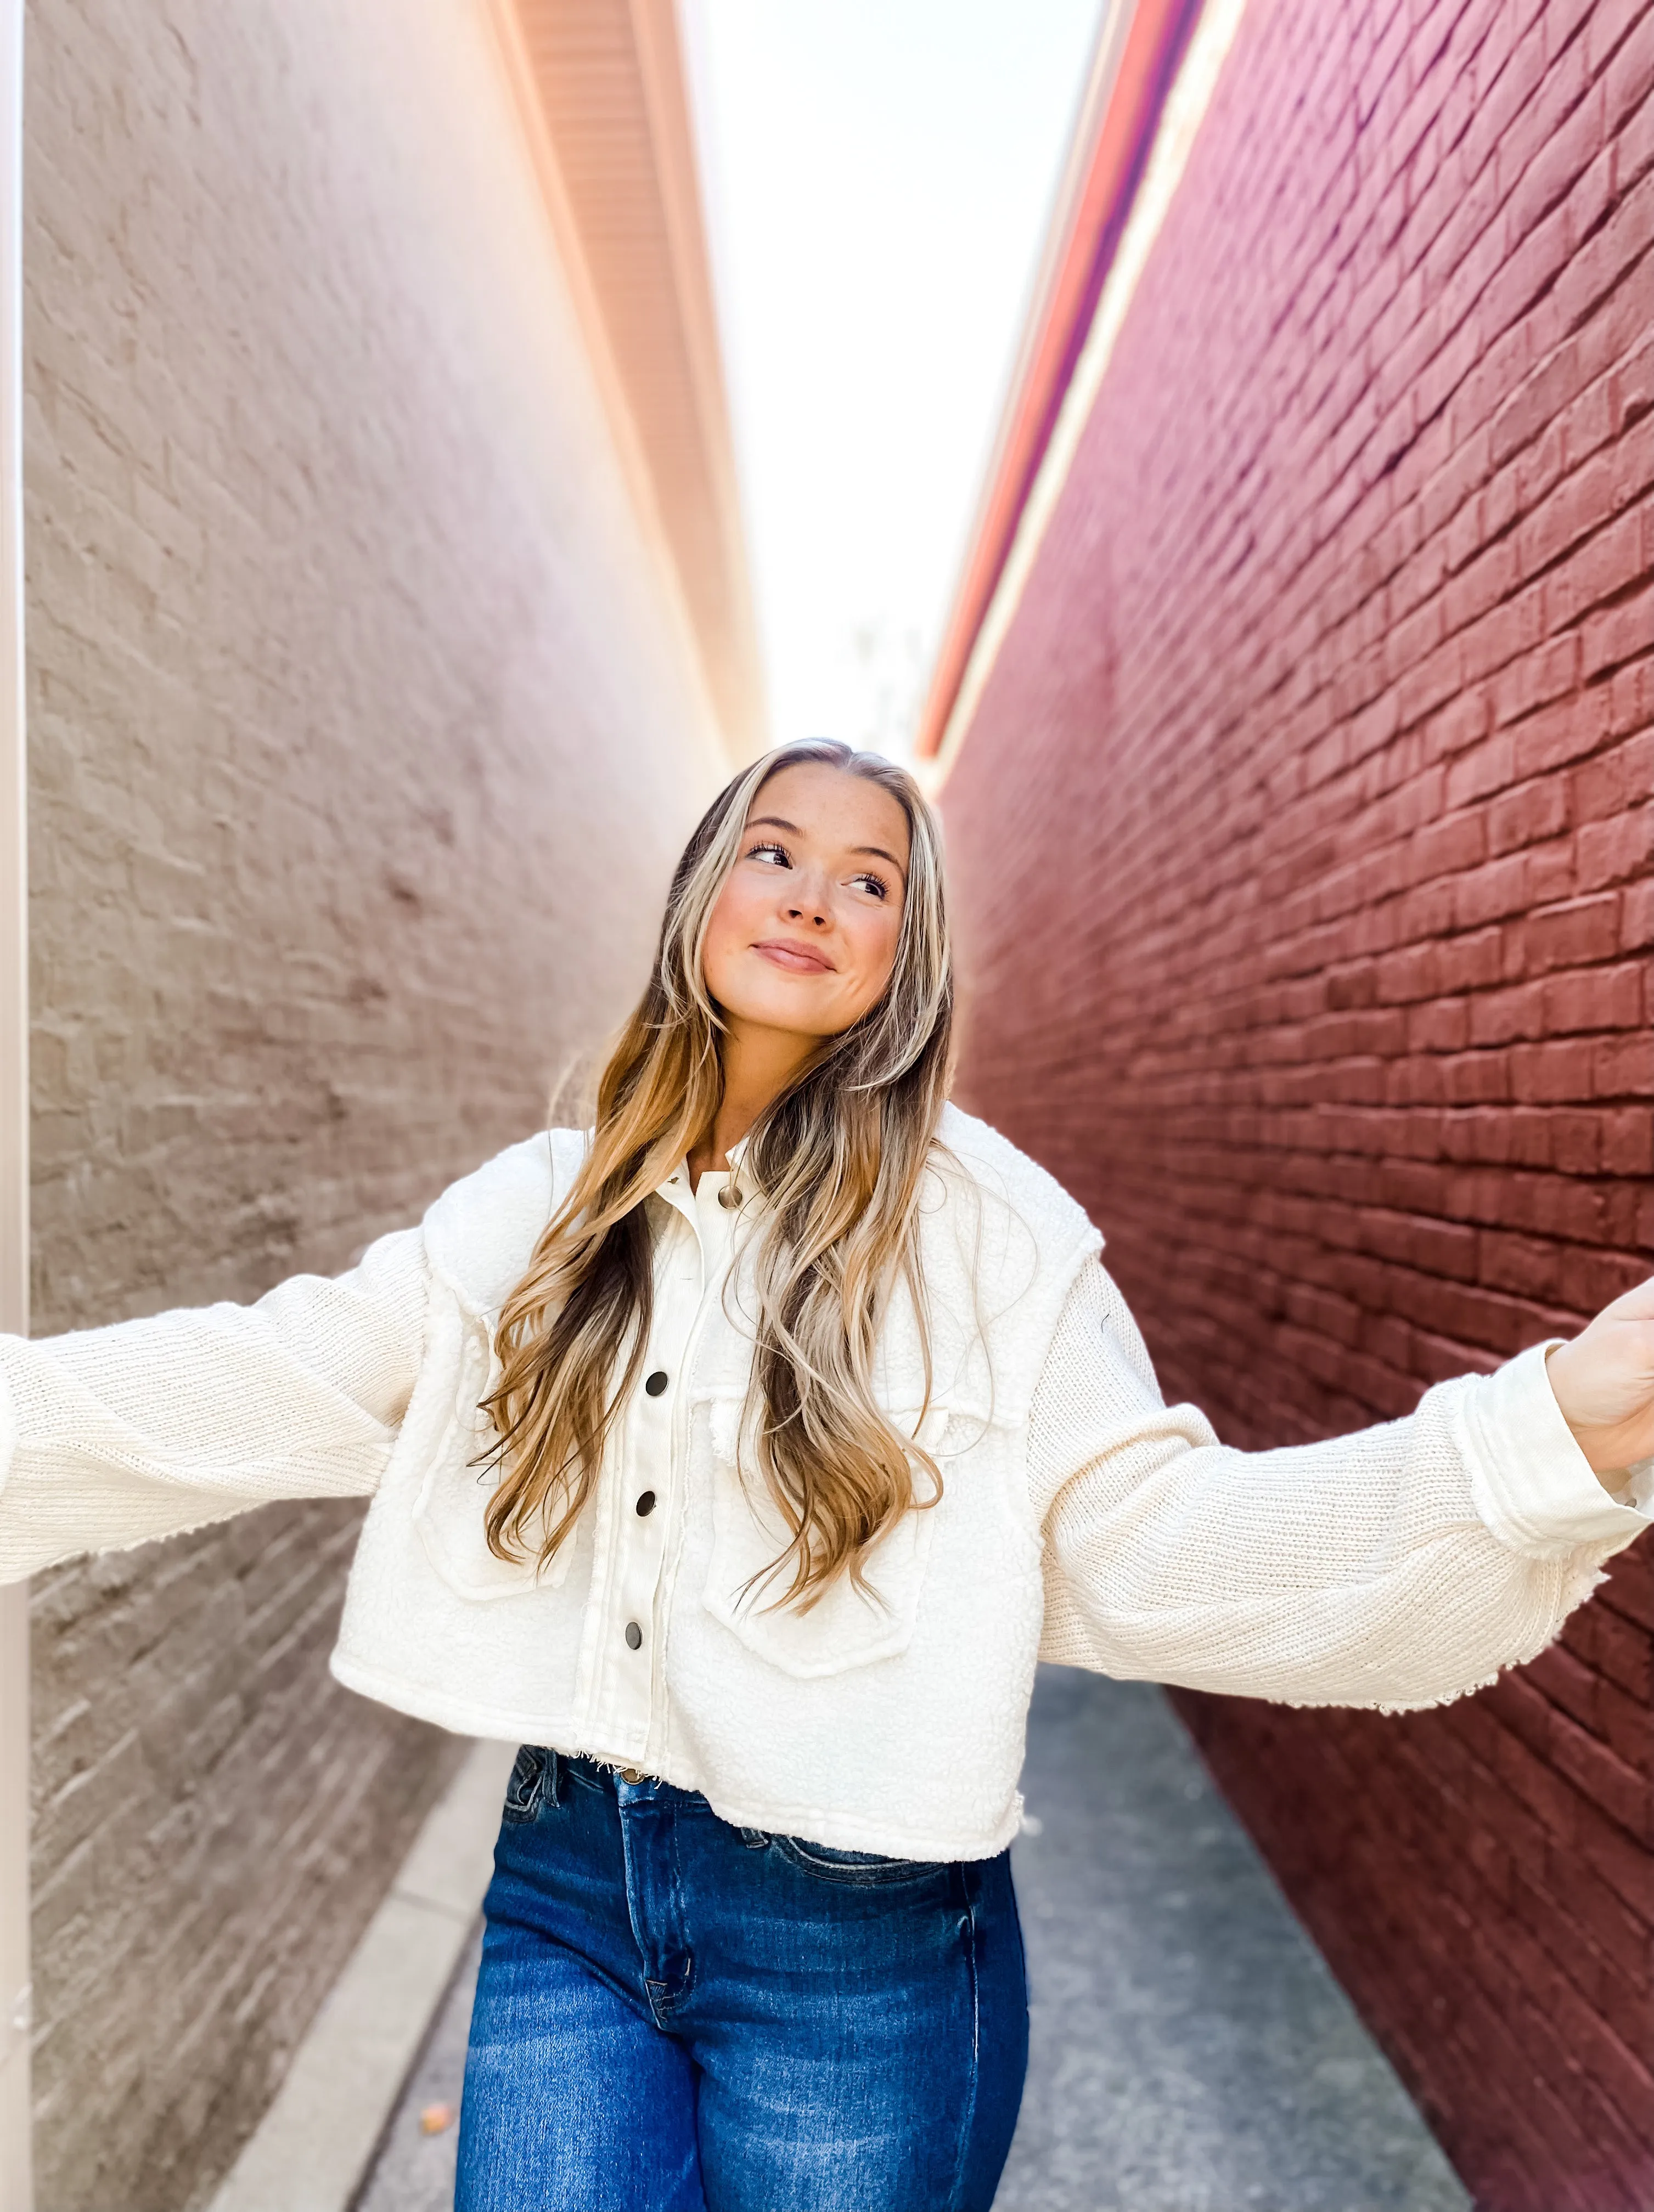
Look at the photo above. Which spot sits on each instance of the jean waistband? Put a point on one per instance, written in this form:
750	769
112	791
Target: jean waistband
602	1774
542	1775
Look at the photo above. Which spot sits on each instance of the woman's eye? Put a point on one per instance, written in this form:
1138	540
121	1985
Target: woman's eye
876	884
776	854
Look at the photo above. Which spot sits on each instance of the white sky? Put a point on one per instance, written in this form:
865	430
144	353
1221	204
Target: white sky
879	175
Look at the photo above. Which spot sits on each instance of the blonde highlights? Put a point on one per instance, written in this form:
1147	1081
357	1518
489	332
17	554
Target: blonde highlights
836	1165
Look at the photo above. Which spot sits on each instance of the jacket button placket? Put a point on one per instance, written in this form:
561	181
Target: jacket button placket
628	1677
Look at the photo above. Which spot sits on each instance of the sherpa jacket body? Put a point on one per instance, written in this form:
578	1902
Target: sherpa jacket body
1079	1516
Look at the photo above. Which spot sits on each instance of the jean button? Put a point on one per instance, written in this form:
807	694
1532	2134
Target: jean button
633	1635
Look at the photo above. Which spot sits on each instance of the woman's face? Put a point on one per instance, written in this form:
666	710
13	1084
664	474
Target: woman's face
803	936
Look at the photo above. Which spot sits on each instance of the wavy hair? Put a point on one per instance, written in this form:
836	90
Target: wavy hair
832	1172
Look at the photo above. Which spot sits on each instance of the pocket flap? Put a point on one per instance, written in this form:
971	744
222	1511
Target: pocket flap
846	1626
452	1498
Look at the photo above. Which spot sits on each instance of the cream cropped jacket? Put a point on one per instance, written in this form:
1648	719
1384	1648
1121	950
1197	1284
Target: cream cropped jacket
1080	1518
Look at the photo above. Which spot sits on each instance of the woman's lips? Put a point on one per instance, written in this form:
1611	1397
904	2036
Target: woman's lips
797	959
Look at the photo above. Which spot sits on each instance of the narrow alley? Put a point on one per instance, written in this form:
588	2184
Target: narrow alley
440	445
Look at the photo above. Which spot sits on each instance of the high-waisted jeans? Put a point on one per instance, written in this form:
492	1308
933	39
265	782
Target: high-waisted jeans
678	2016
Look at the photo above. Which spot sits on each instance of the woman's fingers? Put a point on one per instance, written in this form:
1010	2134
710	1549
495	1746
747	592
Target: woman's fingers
1604	1381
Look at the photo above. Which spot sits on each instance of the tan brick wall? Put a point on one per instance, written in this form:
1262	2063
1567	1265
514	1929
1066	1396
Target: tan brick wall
361	737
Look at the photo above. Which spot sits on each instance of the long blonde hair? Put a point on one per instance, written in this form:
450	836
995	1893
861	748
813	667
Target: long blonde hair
839	1162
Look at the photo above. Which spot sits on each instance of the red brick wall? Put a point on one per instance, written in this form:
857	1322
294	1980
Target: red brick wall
1302	839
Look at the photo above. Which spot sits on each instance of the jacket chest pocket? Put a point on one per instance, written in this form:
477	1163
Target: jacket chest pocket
846	1627
453	1495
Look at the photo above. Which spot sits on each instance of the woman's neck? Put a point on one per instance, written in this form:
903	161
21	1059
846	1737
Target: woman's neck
760	1065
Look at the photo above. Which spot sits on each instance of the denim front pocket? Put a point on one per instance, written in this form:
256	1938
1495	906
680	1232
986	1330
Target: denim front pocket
527	1784
856	1869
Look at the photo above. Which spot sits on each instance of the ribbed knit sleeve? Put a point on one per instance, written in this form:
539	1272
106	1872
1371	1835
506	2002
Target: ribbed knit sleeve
1398	1567
109	1437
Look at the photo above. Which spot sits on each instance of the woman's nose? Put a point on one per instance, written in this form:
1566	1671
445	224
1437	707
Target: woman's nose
809	904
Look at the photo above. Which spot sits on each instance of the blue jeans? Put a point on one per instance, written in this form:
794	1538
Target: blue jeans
678	2016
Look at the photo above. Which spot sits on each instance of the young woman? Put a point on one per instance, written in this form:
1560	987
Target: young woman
739	1457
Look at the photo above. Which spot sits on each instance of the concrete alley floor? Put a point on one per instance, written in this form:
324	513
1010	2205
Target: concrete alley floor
1191	2053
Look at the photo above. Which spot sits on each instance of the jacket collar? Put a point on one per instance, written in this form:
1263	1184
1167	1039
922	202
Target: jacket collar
674	1188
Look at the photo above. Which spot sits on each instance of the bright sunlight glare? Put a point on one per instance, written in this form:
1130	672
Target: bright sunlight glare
878	177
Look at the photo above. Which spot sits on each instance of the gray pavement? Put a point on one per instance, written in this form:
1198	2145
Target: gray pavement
414	2171
1191	2051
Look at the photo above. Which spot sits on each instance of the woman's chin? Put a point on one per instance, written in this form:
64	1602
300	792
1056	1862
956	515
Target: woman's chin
794	1012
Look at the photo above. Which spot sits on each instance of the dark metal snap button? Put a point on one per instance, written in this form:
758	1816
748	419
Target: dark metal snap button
634	1634
725	1197
646	1504
656	1383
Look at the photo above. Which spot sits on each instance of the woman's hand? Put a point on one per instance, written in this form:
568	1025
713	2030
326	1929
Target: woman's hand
1604	1383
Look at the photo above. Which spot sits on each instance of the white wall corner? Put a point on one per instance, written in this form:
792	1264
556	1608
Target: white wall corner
16	2181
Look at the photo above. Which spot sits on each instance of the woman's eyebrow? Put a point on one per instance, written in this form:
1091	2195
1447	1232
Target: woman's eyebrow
882	855
780	821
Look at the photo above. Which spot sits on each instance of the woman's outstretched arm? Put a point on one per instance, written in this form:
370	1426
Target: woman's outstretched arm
109	1437
1399	1566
